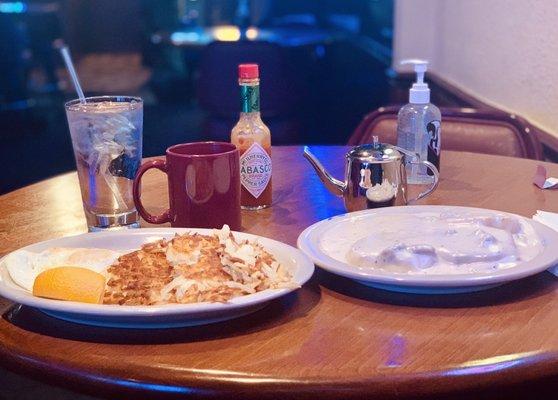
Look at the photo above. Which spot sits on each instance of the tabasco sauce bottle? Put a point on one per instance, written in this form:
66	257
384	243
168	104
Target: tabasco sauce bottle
252	137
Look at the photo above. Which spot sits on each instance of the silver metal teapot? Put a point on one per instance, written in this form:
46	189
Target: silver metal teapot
374	176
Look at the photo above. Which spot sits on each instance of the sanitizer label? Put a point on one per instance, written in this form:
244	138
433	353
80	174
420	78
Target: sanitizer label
434	143
255	169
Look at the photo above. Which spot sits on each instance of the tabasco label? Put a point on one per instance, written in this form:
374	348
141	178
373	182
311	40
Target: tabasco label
255	169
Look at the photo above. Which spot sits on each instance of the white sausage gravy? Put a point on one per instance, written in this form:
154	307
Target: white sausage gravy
434	243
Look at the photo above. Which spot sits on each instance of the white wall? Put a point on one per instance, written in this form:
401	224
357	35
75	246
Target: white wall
504	52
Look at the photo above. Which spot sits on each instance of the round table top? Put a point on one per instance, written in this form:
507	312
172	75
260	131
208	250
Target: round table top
333	338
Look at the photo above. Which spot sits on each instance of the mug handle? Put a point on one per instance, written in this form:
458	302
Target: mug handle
434	170
152	219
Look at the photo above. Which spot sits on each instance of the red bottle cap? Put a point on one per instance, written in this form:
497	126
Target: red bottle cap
248	71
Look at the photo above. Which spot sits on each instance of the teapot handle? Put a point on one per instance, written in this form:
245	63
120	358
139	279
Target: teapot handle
434	170
415	160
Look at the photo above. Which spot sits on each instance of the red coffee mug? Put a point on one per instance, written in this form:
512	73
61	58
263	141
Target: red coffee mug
204	186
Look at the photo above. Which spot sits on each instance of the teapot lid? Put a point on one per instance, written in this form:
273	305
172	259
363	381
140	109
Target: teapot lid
376	151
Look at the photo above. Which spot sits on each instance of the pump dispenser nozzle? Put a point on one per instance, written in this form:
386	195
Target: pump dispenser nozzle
419	92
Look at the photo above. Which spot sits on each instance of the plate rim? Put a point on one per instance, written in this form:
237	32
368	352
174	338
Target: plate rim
21	296
544	259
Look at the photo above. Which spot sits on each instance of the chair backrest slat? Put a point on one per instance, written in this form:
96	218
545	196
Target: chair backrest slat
463	129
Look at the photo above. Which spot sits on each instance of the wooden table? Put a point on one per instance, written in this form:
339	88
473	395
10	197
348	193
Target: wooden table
331	339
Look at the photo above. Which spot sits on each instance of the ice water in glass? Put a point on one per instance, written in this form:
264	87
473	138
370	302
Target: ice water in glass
106	136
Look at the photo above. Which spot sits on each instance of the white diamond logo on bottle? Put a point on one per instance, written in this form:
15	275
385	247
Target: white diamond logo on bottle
255	169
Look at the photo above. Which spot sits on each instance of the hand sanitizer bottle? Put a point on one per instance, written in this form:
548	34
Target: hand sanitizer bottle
418	127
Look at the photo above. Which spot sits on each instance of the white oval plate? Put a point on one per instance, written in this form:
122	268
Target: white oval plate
309	243
163	316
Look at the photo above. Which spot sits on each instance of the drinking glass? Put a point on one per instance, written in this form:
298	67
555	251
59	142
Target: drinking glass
106	136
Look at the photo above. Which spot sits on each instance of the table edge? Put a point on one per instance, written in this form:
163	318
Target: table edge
459	380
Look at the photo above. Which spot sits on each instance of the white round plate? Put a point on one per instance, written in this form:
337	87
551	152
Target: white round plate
163	316
309	243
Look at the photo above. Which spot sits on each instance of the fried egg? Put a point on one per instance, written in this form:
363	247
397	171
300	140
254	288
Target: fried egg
24	266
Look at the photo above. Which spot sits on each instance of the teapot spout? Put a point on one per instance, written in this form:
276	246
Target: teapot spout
335	186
